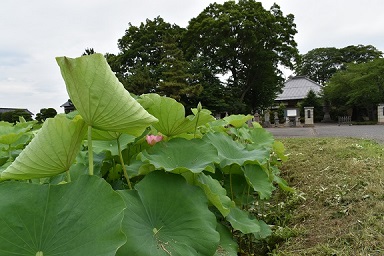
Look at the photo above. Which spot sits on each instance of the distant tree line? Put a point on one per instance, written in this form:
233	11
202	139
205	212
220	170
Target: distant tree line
352	77
13	116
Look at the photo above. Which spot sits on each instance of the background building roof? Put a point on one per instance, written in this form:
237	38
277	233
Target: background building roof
297	88
3	110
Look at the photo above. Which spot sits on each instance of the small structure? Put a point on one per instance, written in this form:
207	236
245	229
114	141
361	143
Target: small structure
344	120
256	117
308	116
296	89
68	107
380	114
267	122
276	119
292	117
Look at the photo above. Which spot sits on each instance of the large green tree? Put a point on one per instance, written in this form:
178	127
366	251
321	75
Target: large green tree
321	63
244	43
45	113
360	86
176	80
151	60
138	64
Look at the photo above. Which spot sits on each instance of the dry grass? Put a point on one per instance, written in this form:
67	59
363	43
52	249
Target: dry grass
342	181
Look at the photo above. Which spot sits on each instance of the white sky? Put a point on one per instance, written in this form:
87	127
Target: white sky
34	32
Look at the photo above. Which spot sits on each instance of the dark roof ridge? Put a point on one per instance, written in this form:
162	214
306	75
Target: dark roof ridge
305	77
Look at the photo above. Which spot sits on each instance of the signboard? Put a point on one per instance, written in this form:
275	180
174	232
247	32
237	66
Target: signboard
291	112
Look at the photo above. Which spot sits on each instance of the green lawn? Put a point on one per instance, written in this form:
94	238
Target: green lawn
339	205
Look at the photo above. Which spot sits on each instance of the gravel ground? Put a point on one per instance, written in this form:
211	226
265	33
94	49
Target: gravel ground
373	132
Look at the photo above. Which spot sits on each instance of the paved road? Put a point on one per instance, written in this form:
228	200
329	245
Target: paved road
374	132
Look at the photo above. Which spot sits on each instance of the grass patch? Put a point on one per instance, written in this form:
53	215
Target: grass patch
339	205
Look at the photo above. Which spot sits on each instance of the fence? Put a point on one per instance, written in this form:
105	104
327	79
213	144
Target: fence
344	120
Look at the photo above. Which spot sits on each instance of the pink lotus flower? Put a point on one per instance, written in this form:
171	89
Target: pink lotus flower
153	139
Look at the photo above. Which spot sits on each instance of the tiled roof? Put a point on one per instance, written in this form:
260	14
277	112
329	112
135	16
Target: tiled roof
3	110
297	88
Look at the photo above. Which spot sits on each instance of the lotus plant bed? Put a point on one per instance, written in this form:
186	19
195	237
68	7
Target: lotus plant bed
132	175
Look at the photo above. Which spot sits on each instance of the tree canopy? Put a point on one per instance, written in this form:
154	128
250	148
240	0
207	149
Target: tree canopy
360	85
151	60
246	43
45	113
227	58
13	116
321	63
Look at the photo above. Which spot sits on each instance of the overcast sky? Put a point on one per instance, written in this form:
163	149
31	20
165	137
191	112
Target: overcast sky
34	32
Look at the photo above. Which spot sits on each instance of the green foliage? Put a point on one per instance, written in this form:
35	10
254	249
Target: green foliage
142	58
171	115
79	218
244	42
14	116
13	138
57	143
176	79
183	192
321	63
360	85
116	110
179	224
45	113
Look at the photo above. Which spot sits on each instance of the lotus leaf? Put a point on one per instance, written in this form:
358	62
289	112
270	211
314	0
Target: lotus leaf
227	246
179	155
237	120
171	115
232	152
100	98
241	221
259	180
10	133
79	218
167	216
215	193
51	152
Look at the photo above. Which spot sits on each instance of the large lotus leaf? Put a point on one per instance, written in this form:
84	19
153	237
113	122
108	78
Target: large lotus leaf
283	184
265	231
112	145
179	155
227	246
137	168
79	218
261	138
237	120
171	115
279	149
241	221
215	193
51	152
167	216
10	133
259	180
104	135
232	152
22	141
100	98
